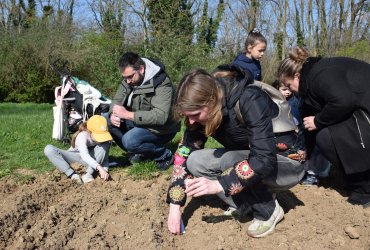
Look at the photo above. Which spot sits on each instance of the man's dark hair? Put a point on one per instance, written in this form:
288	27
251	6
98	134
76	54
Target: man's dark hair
130	59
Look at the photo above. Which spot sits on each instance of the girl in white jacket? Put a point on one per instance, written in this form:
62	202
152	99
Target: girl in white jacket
90	147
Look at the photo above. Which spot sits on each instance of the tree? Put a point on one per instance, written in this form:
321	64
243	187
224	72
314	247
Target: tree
299	33
208	26
171	18
323	46
109	16
140	11
279	36
355	9
30	14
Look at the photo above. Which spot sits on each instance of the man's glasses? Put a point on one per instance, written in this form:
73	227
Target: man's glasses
126	78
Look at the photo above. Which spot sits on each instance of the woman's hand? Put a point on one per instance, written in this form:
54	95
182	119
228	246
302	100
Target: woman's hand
103	174
309	123
202	186
174	219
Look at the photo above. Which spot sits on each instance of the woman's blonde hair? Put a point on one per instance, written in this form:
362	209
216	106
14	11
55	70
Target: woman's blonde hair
293	63
198	89
82	127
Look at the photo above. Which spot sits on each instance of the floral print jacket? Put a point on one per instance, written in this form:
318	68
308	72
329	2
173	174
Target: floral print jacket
192	140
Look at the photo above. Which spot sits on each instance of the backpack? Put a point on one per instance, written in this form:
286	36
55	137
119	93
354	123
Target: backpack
79	101
284	121
75	102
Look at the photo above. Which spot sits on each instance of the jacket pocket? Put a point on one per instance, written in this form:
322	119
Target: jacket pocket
145	103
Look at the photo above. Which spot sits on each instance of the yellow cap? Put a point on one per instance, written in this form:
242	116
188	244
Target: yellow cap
98	127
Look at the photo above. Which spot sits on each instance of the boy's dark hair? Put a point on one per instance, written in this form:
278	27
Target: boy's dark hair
130	59
276	84
253	37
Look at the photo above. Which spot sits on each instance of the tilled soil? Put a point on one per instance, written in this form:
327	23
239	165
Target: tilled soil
54	213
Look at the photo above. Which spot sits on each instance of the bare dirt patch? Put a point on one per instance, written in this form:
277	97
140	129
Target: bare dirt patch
54	213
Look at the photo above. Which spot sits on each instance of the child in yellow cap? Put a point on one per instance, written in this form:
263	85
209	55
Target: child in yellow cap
90	147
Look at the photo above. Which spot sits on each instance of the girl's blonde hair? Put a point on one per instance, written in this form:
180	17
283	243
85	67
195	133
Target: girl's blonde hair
82	127
293	63
198	89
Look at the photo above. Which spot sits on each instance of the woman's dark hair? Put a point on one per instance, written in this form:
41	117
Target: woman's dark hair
198	89
253	37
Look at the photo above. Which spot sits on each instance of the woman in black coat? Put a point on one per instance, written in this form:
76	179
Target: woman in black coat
336	110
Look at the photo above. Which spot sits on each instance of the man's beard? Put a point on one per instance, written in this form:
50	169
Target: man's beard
140	80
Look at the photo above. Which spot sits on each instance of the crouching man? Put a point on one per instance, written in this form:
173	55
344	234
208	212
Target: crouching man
140	119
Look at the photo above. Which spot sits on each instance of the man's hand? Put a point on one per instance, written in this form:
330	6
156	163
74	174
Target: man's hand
202	186
174	219
122	113
309	123
115	120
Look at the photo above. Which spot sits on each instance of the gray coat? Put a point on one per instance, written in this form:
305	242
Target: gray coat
151	102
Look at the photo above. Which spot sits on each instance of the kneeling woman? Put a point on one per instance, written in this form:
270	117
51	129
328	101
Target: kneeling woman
236	172
335	94
90	147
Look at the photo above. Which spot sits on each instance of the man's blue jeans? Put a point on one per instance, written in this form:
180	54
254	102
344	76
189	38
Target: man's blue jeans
137	140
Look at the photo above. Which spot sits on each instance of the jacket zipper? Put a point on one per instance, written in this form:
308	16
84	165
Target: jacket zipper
359	131
367	118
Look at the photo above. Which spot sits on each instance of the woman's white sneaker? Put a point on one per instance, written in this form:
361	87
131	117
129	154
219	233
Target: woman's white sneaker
260	228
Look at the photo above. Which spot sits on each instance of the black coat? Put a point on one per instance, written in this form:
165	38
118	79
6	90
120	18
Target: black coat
337	92
256	134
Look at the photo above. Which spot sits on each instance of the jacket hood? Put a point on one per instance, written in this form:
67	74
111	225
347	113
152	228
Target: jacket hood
233	86
154	75
153	70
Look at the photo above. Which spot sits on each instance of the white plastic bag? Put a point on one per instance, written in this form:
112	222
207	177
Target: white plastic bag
58	126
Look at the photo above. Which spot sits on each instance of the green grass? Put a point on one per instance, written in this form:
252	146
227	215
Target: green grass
25	129
143	171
